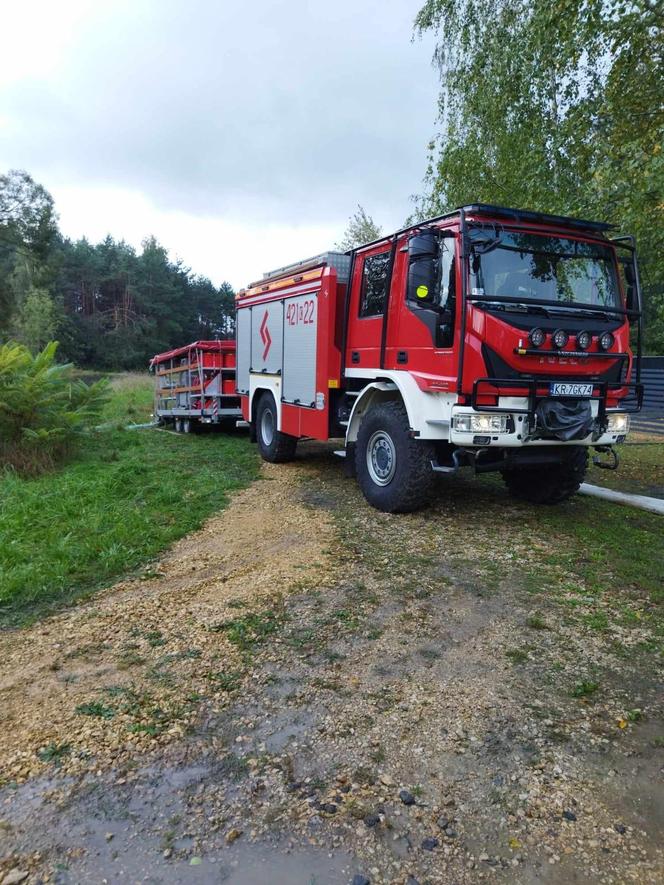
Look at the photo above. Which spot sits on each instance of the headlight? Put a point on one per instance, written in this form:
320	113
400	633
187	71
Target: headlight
618	423
537	337
583	340
480	423
606	340
560	338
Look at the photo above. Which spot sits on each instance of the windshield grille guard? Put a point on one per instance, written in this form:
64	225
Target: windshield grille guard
631	403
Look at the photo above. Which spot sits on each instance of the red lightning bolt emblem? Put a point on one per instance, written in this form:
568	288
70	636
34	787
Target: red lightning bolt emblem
266	338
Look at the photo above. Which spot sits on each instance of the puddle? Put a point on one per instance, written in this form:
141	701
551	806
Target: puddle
280	729
116	833
256	866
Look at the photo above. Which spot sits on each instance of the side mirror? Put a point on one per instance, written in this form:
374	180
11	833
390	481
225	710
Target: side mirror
422	281
423	260
631	298
423	245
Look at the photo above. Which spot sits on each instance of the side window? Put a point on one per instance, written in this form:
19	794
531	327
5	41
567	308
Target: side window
447	277
374	285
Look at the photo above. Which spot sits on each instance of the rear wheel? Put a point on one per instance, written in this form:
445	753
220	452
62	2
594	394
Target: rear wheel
393	469
273	445
549	483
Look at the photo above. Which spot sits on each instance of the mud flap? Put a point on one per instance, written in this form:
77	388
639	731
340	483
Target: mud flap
349	461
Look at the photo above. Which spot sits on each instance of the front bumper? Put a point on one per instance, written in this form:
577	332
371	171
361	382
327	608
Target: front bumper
518	413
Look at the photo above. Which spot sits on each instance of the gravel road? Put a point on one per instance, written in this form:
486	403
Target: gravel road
309	691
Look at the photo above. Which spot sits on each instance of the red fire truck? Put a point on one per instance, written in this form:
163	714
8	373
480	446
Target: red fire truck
492	338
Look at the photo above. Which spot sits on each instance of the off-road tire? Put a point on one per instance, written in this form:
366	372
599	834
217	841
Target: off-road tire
412	482
549	483
281	446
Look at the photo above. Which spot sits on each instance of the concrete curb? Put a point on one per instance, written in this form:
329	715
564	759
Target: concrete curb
654	505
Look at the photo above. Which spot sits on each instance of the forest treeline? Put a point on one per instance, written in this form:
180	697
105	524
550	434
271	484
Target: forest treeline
109	305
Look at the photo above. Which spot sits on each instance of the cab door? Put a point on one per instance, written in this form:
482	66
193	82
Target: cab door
423	335
371	278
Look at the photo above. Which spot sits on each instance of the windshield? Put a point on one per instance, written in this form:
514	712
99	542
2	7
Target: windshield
555	269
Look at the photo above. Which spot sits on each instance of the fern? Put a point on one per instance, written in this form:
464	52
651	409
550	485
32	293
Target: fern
43	408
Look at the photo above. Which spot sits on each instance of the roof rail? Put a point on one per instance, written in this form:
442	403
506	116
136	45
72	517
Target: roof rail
530	215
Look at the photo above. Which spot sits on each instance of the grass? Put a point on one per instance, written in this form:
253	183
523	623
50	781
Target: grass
641	469
601	562
251	629
584	689
127	496
96	708
54	752
517	655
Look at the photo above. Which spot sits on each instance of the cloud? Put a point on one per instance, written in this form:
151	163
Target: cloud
263	116
213	246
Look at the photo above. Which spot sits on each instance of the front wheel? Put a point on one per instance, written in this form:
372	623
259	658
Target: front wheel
549	483
393	469
273	445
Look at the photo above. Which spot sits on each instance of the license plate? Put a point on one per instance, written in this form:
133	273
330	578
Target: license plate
566	388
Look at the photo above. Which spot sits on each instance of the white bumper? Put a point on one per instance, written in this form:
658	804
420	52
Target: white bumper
517	432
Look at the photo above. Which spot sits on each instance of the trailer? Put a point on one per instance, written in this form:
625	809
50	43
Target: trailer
491	338
195	384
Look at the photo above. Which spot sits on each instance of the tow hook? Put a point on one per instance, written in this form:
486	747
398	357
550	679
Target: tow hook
606	465
441	468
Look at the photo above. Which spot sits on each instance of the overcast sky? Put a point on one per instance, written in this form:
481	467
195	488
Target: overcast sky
241	134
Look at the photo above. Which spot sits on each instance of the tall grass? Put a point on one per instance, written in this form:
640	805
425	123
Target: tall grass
43	408
126	496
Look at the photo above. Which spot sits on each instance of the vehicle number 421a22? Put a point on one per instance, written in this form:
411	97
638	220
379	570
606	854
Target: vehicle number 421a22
301	313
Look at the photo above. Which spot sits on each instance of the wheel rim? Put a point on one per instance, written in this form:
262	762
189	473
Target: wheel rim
381	458
267	427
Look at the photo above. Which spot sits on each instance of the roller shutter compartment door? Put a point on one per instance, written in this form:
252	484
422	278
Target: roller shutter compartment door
267	337
300	333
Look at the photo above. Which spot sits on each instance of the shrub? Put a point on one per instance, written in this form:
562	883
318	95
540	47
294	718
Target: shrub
43	409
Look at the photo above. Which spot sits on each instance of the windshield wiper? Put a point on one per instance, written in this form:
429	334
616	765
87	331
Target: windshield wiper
555	309
570	310
514	306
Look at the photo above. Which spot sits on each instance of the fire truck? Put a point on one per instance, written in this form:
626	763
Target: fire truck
491	338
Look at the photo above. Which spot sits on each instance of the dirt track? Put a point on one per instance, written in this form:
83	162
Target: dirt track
251	710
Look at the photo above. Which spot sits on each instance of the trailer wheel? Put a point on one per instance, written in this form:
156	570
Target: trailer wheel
178	425
549	484
187	425
273	445
393	468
